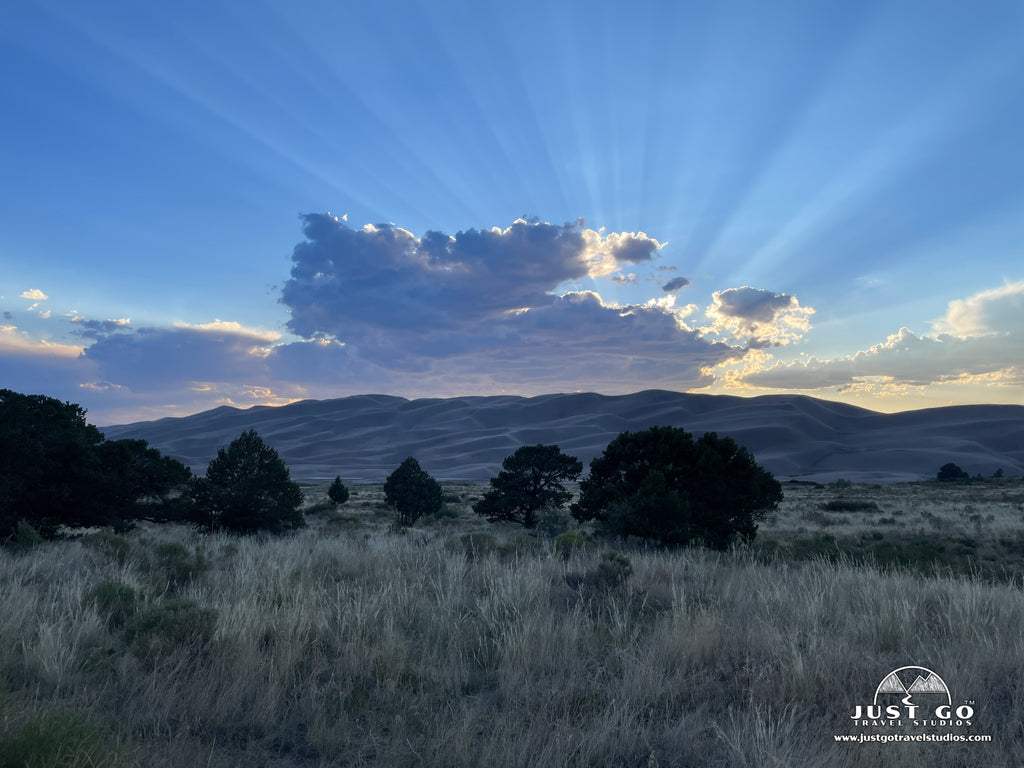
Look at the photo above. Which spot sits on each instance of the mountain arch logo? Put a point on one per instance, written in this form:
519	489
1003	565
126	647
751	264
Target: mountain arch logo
910	683
915	696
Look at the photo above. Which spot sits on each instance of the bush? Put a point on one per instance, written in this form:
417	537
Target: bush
55	739
337	493
950	472
474	544
26	536
662	484
112	544
412	492
571	541
530	481
247	488
177	565
611	572
849	505
158	629
114	600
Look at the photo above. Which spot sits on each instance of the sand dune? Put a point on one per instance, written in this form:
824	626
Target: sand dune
363	438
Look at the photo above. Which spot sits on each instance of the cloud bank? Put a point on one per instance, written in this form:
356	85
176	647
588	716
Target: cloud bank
486	311
980	340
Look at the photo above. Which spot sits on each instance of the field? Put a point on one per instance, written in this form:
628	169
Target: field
460	643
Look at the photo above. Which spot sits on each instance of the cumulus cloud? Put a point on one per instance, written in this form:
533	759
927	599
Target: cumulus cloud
996	311
34	294
675	284
980	340
95	329
759	316
349	283
479	311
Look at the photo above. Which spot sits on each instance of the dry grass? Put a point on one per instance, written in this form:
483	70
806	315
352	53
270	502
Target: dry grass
347	644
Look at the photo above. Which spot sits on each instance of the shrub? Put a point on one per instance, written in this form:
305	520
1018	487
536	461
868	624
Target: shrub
445	513
247	488
168	624
662	484
474	544
112	544
177	565
26	536
412	492
950	472
530	481
611	572
56	739
337	493
849	505
568	542
114	600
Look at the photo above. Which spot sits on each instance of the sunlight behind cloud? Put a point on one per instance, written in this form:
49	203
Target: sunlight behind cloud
998	310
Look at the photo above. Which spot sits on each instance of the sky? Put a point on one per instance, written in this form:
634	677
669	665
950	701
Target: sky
210	203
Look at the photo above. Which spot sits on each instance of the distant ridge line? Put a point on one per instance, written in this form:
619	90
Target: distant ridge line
364	437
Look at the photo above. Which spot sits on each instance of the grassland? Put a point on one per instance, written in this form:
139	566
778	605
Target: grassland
459	643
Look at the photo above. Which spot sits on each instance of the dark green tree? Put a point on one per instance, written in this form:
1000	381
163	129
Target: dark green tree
530	481
662	484
57	470
950	472
140	484
247	488
337	493
48	464
412	492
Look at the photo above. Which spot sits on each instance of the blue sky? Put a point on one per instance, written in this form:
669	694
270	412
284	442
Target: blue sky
209	203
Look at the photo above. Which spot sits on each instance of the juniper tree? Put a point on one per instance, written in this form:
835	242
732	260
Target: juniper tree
337	493
247	488
530	481
412	492
664	485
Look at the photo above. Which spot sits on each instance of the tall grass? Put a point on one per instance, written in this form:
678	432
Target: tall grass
355	646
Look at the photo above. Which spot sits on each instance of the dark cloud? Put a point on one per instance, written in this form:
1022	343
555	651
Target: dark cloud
350	283
675	284
751	304
8	316
97	329
168	358
478	311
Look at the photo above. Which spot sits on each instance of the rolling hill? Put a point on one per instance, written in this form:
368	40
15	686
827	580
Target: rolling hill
364	437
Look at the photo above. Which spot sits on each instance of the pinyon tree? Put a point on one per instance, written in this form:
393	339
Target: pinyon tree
247	488
412	492
530	481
